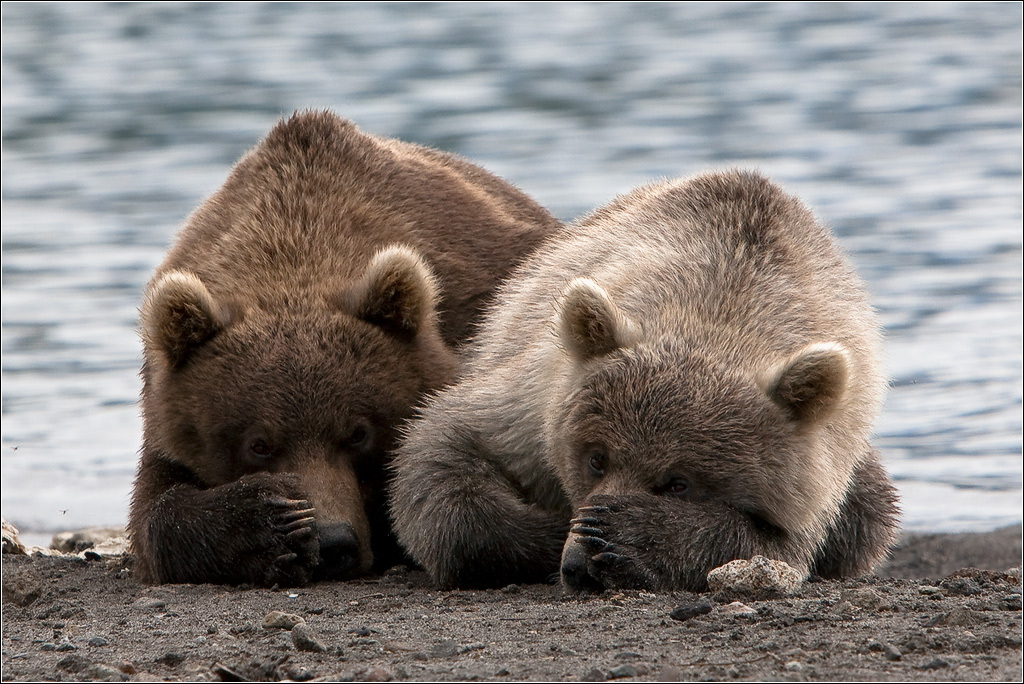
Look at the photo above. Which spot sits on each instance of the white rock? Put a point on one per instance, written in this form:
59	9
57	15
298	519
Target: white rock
759	574
11	543
738	609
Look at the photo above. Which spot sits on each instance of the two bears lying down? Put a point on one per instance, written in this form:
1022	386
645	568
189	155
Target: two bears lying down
360	348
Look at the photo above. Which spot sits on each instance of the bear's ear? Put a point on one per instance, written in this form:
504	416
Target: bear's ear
397	292
589	324
811	382
179	316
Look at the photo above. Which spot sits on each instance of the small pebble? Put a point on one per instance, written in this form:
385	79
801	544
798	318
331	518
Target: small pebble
149	603
72	663
866	598
66	646
961	586
685	611
171	659
738	609
22	590
671	674
127	667
593	675
475	646
360	631
961	617
622	671
303	639
379	674
794	666
277	619
502	672
892	653
97	641
48	646
936	664
104	673
928	590
444	649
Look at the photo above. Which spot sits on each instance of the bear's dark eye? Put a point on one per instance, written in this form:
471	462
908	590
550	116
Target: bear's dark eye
260	448
360	437
677	486
597	459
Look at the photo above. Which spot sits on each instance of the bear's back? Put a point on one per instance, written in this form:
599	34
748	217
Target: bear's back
725	263
302	214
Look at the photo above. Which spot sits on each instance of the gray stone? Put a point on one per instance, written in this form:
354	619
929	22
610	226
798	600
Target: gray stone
22	589
171	659
149	603
691	609
277	619
72	663
304	640
622	671
866	598
444	649
378	674
104	673
936	664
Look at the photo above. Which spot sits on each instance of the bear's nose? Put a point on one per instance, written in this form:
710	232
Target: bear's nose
575	573
339	550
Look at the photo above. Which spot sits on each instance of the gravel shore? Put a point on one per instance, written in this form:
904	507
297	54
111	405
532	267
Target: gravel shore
946	607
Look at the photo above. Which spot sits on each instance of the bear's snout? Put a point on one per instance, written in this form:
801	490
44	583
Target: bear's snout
339	551
575	570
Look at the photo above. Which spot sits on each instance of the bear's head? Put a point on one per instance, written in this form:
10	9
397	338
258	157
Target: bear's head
315	386
691	460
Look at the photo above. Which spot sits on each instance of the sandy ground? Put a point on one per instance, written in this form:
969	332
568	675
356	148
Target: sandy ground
923	617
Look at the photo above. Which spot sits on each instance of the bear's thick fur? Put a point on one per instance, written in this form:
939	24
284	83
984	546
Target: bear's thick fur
686	376
305	308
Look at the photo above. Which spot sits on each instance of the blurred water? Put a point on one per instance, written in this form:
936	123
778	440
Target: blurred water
899	123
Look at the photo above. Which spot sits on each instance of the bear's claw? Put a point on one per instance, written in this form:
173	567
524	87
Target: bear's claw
592	544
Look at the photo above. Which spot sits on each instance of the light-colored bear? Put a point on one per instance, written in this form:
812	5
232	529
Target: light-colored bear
686	376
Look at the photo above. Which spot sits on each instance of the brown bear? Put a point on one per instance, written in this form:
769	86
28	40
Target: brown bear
684	377
305	308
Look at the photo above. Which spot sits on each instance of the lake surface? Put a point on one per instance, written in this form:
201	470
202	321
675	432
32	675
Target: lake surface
899	123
